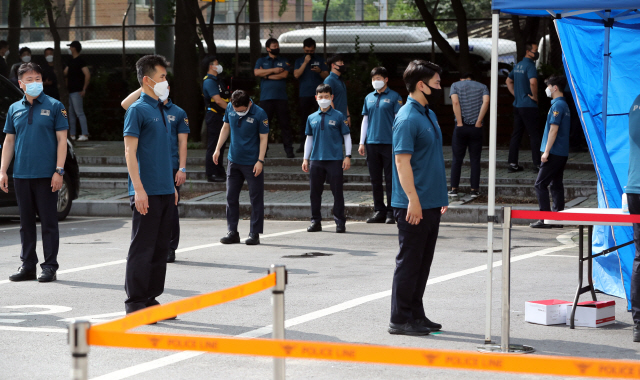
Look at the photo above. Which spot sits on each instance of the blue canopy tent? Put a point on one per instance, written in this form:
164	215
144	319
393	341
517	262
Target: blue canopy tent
603	78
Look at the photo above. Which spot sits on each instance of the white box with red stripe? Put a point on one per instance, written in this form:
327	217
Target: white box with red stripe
593	313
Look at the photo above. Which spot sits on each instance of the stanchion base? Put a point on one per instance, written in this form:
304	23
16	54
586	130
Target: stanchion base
513	349
489	342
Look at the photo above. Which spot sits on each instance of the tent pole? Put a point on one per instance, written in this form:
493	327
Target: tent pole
605	72
493	125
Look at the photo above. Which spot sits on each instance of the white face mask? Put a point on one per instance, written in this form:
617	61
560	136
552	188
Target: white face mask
377	84
164	97
161	88
243	113
219	69
26	59
548	92
7	53
324	103
49	58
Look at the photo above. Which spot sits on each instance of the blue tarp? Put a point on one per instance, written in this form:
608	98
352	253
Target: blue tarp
584	66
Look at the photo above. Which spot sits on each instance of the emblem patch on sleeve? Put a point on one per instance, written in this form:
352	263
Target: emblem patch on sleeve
64	112
186	121
400	102
265	122
556	113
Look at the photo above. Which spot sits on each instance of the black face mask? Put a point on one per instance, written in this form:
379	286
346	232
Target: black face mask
536	55
435	96
275	51
342	69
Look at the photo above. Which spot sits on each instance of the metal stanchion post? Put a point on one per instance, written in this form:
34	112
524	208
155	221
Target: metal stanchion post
277	300
505	346
77	339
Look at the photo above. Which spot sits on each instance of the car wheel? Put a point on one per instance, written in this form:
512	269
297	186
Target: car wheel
64	200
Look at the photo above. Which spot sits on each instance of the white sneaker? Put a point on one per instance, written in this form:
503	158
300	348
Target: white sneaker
83	138
73	138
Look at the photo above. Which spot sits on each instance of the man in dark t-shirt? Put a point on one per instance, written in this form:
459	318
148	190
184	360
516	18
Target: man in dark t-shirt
78	77
49	77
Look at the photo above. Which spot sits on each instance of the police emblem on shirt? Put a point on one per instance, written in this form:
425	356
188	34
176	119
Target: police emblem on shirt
400	102
556	113
45	112
186	121
64	112
249	120
171	118
279	64
332	122
265	122
387	100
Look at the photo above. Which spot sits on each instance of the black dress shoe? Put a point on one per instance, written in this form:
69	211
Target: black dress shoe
23	275
636	333
515	168
378	217
540	224
254	239
231	238
428	324
409	328
47	275
340	228
171	257
215	178
390	218
314	227
153	302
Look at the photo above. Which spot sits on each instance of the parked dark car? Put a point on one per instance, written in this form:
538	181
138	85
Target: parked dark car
10	94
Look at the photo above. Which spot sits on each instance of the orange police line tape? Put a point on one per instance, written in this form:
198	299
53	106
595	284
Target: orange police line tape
172	309
459	360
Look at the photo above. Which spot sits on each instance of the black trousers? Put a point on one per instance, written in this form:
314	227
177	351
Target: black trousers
147	258
175	226
379	160
280	109
466	137
35	195
634	208
551	172
413	263
306	106
319	172
236	175
525	118
214	126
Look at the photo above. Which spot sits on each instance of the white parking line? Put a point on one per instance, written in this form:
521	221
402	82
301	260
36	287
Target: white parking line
175	358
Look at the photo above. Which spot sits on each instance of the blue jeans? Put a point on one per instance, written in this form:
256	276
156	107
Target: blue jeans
76	111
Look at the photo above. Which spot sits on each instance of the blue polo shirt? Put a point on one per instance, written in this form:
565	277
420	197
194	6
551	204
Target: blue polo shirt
35	126
633	184
271	89
416	132
146	121
339	90
310	80
521	73
327	129
209	90
381	110
179	124
244	148
560	115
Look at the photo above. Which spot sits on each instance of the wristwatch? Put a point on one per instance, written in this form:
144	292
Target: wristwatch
60	171
261	161
348	155
184	170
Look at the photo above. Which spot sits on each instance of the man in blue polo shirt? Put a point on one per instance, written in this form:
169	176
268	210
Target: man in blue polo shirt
523	85
248	126
310	70
336	63
273	71
633	198
215	107
419	197
152	193
326	130
36	131
554	149
379	110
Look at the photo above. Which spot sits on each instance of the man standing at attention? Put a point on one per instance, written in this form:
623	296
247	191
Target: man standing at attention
78	77
334	80
152	193
36	131
523	85
215	107
376	135
419	197
273	71
310	70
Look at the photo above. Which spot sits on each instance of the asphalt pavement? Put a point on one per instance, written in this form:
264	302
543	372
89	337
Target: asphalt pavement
339	291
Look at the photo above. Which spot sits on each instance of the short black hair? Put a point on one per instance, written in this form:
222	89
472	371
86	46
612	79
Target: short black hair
557	80
24	50
3	44
240	98
379	71
419	70
146	66
309	42
324	88
207	61
269	42
530	44
335	58
467	75
26	67
45	50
